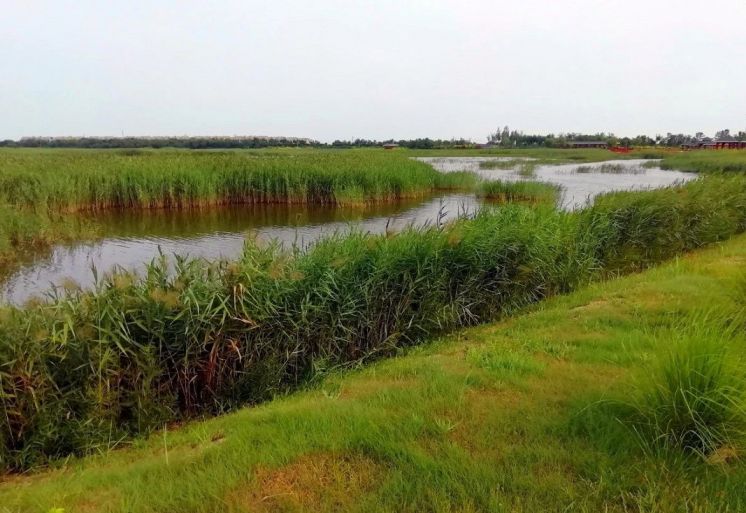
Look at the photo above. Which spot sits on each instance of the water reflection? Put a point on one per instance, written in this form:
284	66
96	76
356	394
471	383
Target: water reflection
134	238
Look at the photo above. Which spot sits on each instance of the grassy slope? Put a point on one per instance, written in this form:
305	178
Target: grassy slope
479	421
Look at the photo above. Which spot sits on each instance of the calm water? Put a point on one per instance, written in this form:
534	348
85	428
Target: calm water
578	188
133	238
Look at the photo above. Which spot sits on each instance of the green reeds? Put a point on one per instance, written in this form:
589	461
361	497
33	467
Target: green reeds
77	180
519	191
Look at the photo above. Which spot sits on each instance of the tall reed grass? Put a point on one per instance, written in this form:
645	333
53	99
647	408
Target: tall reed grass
94	368
78	180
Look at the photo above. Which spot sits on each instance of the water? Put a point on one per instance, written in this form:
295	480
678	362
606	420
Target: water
578	188
131	239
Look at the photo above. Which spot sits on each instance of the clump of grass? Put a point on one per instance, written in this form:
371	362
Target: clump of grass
500	164
527	169
524	167
693	397
519	191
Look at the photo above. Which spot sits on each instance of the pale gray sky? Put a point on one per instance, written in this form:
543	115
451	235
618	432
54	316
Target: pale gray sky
331	69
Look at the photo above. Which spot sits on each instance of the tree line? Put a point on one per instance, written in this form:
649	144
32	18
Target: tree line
501	138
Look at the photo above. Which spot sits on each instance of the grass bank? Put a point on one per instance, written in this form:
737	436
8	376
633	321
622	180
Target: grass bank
704	161
501	417
95	368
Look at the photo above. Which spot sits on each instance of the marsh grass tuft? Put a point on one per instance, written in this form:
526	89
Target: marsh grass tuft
692	398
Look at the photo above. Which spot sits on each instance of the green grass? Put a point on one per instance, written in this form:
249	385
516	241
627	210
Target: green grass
499	417
83	373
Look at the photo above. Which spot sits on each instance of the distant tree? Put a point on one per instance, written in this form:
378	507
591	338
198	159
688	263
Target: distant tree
722	134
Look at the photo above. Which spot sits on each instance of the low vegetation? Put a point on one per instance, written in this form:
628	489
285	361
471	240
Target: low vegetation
521	415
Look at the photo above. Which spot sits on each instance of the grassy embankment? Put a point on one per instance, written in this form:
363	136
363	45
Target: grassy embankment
548	411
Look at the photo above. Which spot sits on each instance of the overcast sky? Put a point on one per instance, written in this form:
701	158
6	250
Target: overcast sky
330	69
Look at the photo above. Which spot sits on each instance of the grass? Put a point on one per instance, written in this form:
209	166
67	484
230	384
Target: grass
498	417
133	354
693	396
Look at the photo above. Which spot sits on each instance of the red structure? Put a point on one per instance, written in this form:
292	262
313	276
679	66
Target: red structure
621	149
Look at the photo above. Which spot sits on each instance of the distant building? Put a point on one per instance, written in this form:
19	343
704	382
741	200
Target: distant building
723	143
588	144
390	146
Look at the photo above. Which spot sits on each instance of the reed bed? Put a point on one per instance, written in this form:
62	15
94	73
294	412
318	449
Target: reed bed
74	180
93	368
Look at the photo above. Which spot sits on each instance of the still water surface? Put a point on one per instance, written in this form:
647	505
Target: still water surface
131	239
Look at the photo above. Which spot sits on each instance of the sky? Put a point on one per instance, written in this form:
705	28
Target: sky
378	69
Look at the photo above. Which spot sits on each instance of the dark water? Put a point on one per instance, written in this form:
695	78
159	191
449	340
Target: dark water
131	239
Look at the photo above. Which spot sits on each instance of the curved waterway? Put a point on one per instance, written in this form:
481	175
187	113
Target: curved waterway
580	183
131	239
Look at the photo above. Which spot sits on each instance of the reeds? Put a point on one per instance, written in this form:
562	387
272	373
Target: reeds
92	368
76	180
519	191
